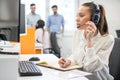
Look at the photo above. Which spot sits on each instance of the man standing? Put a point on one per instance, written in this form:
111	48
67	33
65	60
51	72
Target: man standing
32	17
55	23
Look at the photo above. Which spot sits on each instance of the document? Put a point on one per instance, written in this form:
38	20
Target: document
70	75
79	78
55	65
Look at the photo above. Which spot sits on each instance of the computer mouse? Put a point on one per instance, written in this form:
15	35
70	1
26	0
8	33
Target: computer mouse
34	59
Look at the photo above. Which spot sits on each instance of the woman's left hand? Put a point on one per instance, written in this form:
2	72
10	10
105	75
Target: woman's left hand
90	31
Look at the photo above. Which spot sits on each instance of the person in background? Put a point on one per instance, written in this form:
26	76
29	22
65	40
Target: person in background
32	17
42	36
55	23
92	42
39	33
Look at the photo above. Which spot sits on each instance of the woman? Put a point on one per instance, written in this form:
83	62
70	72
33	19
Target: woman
92	43
42	36
39	33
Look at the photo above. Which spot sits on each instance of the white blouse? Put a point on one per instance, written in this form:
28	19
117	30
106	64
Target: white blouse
39	35
92	59
43	38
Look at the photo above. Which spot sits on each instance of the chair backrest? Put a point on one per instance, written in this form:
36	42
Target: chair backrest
114	60
54	44
3	37
118	33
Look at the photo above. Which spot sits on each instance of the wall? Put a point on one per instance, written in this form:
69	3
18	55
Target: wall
67	42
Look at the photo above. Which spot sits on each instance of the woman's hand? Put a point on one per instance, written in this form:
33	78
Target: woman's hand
90	32
64	63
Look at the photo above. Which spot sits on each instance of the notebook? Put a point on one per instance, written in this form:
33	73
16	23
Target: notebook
55	65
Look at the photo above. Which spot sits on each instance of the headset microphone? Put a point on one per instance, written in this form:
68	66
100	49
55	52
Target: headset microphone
81	25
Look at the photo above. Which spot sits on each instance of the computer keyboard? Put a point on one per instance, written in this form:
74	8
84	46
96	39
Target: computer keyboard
27	68
9	53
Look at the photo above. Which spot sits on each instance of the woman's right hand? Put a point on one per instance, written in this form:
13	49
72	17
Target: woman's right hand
64	63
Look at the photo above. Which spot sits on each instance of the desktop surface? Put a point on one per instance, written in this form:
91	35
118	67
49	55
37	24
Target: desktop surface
7	46
52	74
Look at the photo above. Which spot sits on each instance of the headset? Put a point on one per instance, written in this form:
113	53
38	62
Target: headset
96	15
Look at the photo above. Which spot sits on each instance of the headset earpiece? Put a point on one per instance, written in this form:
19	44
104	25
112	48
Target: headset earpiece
96	15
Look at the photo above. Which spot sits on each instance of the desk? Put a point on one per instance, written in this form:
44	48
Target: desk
38	48
52	74
7	46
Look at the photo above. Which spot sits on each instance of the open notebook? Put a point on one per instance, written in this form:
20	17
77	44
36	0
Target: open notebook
55	65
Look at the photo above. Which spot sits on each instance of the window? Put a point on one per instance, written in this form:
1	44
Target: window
65	7
68	9
40	7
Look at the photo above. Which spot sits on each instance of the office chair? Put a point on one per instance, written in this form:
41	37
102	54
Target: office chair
3	37
55	48
118	33
114	60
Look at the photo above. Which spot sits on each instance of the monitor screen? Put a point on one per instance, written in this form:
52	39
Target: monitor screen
23	28
9	19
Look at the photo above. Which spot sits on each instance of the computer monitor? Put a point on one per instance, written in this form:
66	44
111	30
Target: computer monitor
9	19
23	27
